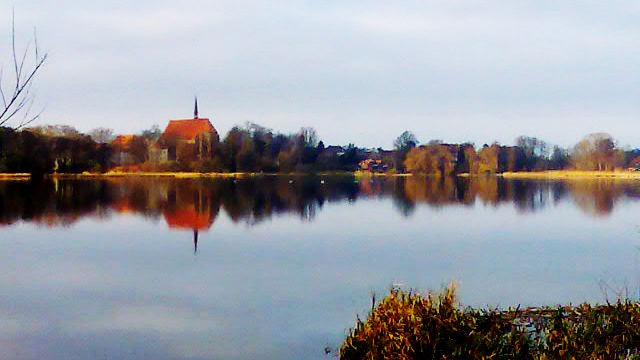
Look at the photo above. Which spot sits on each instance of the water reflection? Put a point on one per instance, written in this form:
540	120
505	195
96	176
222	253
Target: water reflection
116	283
194	204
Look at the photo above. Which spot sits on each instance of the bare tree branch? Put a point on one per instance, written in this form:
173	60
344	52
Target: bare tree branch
24	56
13	46
20	99
4	100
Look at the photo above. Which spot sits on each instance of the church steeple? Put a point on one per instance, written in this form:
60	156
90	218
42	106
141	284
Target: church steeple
195	110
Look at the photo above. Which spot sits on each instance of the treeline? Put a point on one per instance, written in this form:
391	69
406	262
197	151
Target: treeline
594	152
37	153
253	148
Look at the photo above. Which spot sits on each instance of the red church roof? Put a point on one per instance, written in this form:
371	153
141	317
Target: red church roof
188	129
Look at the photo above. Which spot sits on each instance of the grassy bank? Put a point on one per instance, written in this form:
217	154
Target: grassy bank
359	173
572	174
15	176
188	175
407	325
551	175
112	174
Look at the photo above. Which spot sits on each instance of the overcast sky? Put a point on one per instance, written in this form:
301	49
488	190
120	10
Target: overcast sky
358	72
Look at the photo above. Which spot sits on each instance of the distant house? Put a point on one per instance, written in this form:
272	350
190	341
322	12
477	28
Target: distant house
372	165
122	150
188	139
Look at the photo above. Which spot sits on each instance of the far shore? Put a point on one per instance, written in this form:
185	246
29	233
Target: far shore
15	176
116	174
187	175
571	174
550	175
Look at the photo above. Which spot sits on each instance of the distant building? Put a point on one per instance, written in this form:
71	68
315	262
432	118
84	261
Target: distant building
122	150
372	165
189	139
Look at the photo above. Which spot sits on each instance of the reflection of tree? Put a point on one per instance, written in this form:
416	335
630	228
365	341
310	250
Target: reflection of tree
194	204
52	203
434	191
529	196
597	197
404	204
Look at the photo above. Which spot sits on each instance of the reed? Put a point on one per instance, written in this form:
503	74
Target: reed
409	325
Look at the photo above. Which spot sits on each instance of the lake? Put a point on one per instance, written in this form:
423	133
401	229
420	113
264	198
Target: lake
278	267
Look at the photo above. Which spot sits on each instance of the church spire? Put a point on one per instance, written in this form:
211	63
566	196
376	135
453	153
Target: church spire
195	110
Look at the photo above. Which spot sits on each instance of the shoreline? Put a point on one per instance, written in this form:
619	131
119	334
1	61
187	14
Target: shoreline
548	175
15	176
188	175
572	174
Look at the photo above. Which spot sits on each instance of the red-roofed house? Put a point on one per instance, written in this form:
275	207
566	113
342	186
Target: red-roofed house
186	139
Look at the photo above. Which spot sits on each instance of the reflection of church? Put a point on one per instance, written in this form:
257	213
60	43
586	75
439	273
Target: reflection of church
184	205
189	218
190	206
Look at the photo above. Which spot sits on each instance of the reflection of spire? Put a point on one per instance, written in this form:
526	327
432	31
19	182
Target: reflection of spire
195	110
195	241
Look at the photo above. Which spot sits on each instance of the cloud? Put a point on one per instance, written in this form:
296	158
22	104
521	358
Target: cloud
153	25
347	66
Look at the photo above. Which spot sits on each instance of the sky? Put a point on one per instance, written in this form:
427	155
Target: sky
358	72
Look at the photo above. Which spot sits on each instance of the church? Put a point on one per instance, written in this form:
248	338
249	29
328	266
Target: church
186	140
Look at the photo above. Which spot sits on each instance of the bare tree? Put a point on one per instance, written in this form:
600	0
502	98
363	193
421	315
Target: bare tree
309	136
15	89
597	152
102	135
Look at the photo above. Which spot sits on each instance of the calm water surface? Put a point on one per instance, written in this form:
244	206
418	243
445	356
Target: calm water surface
278	267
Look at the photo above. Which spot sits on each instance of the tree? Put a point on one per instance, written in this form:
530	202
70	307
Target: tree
488	158
597	152
402	144
102	135
434	158
56	131
350	159
152	134
535	150
514	158
418	160
407	140
309	136
559	158
231	147
15	90
138	148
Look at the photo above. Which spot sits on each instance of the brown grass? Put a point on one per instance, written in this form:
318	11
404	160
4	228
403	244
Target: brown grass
408	325
15	176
